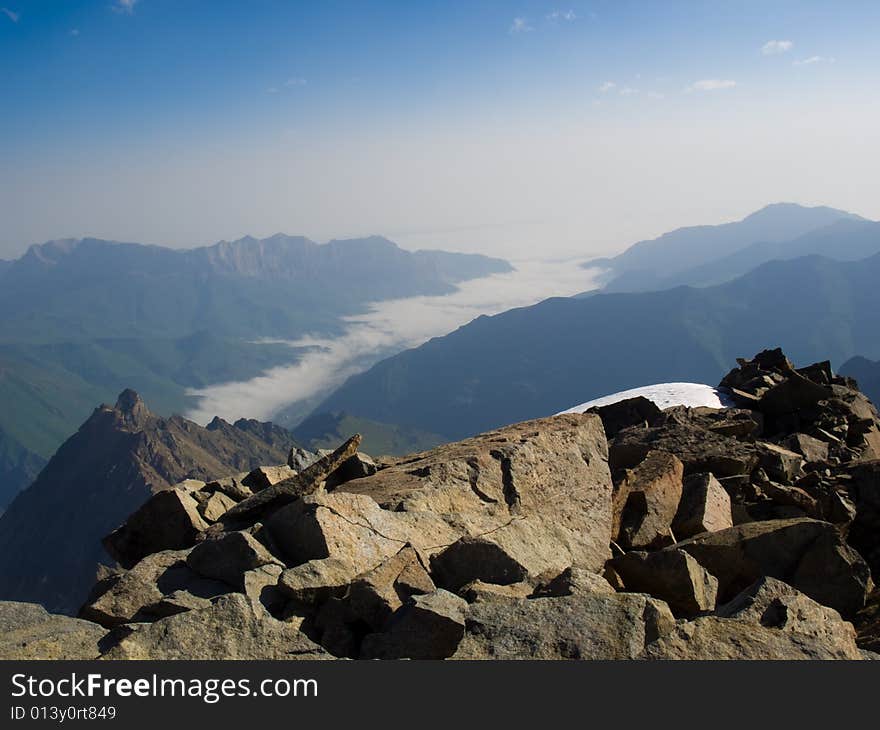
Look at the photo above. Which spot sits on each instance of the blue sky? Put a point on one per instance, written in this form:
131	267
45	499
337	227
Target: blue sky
483	125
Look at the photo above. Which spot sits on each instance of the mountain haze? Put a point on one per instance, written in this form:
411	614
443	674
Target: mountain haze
649	265
85	318
538	360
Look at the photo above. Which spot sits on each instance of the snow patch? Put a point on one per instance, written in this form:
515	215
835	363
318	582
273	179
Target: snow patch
665	395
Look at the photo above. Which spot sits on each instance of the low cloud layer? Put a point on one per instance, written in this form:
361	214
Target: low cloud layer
387	327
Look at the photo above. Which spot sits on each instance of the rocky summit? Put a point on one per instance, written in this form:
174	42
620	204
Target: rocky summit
627	532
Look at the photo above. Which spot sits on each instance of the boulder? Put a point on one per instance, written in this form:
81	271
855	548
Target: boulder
540	490
369	602
475	558
233	487
688	435
120	596
298	458
229	557
779	463
428	626
770	620
266	476
169	520
215	506
623	414
28	631
299	485
374	596
356	467
232	627
580	626
314	581
646	500
573	581
812	449
672	576
261	584
174	603
704	507
809	554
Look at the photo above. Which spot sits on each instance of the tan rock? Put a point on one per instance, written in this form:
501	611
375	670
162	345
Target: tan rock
580	626
672	576
646	501
704	507
169	520
28	631
232	627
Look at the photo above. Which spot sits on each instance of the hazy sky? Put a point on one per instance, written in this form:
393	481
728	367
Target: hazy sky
522	129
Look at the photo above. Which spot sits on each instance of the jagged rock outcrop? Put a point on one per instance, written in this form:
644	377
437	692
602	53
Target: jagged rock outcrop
688	533
50	537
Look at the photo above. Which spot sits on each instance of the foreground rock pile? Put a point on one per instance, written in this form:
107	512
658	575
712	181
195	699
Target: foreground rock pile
623	533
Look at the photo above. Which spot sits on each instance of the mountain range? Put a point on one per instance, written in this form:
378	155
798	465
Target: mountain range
86	318
700	255
538	360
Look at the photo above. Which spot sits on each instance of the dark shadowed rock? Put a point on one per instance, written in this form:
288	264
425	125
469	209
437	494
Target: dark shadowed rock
809	554
429	626
626	413
475	558
169	520
229	557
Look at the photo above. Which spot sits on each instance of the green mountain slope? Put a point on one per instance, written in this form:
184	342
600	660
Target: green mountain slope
538	360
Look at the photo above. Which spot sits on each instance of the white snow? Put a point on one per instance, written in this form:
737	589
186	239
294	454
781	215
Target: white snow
665	395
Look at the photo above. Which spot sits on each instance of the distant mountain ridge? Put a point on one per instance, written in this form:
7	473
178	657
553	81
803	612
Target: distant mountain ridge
867	373
654	264
50	535
538	360
96	288
85	318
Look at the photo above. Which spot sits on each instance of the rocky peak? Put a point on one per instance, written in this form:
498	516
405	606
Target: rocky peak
132	408
627	532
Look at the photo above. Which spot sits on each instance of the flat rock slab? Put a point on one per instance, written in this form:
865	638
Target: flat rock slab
582	626
231	628
28	631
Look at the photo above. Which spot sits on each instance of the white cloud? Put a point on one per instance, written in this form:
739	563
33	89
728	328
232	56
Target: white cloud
607	86
295	81
272	90
656	95
628	91
520	25
12	15
387	327
566	15
775	48
125	6
812	60
711	85
74	32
